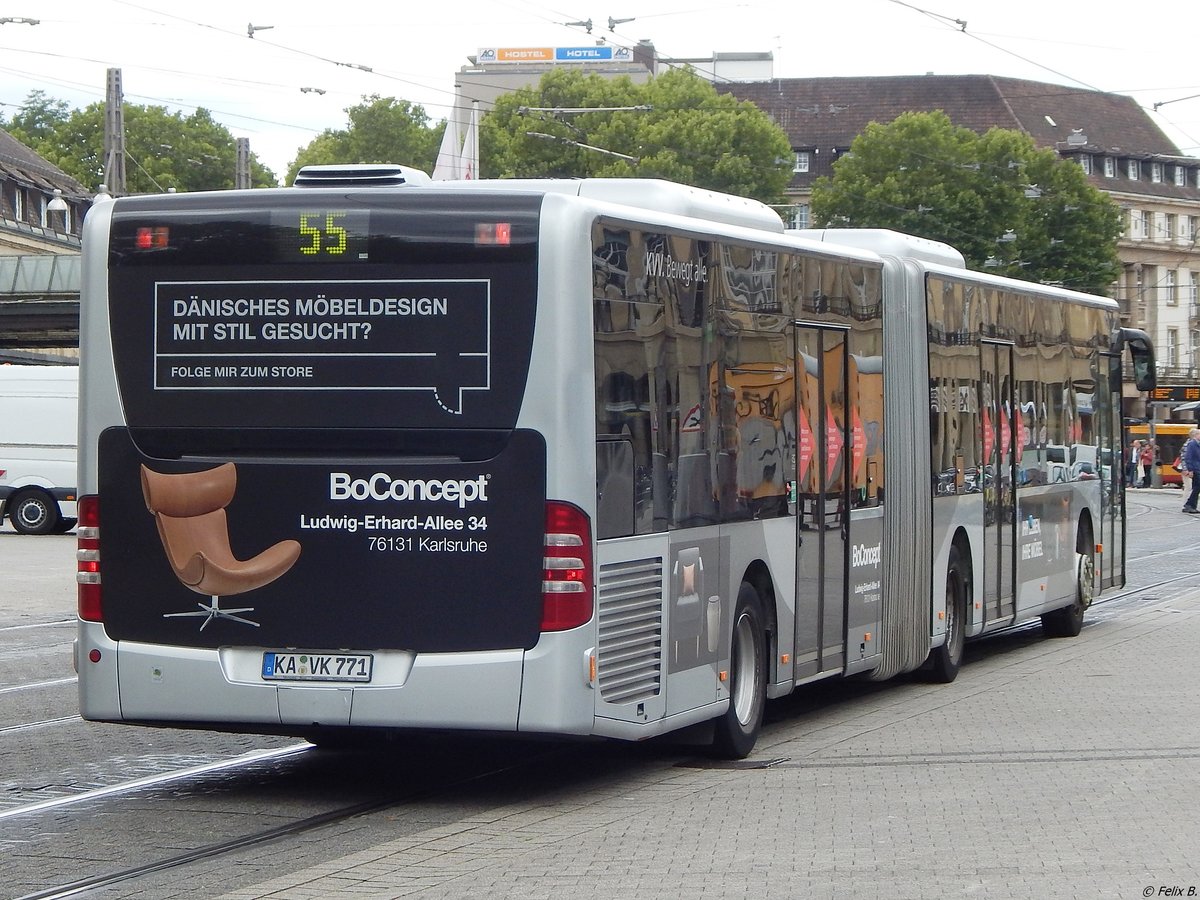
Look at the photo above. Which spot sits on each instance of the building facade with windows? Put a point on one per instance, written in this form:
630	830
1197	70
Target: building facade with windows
30	219
1124	153
41	220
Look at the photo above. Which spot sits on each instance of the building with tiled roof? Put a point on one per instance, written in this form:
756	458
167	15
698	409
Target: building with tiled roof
39	253
28	185
1120	147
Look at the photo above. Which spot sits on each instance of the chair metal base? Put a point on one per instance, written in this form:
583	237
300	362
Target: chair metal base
213	611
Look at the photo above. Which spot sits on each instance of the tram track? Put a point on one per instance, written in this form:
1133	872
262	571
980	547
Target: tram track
37	685
256	757
337	815
217	849
57	623
43	723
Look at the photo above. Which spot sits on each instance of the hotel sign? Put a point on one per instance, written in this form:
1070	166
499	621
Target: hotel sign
592	54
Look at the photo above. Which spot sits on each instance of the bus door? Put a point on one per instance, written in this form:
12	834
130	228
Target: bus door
997	480
1111	466
822	501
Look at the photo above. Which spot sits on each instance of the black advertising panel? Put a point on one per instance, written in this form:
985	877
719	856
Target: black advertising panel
318	308
320	391
432	556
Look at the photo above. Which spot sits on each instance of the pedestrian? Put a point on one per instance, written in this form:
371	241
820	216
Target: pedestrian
1146	463
1133	476
1189	461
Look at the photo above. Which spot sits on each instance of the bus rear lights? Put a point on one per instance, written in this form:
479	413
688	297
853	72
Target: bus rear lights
493	233
87	573
94	656
566	568
1099	548
155	238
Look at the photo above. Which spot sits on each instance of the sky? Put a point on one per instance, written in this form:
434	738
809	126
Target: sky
308	61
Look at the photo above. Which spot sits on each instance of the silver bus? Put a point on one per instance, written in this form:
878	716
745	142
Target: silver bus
590	458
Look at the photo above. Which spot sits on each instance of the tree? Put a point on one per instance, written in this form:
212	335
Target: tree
689	133
163	149
38	120
1007	205
380	130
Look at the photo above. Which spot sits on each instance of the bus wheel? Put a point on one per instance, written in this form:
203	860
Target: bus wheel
33	512
947	658
1068	621
737	730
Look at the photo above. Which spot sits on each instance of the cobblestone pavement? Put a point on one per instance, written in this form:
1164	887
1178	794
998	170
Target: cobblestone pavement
1050	768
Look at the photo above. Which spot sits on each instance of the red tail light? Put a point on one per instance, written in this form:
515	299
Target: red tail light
566	568
88	556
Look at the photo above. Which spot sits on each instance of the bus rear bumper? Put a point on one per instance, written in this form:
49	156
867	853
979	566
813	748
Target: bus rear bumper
424	691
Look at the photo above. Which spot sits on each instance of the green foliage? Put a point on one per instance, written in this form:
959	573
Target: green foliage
163	149
1007	205
380	130
38	119
690	134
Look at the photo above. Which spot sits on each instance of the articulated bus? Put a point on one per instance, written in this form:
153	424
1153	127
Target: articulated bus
595	458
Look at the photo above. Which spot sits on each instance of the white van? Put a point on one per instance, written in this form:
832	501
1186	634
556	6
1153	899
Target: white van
39	411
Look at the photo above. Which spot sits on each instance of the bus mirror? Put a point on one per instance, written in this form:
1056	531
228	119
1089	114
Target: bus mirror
1141	353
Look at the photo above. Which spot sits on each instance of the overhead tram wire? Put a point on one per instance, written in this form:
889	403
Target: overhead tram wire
241	36
91	90
223	79
424	85
962	26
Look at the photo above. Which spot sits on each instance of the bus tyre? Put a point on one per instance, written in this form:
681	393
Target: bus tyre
737	730
33	512
1068	621
947	658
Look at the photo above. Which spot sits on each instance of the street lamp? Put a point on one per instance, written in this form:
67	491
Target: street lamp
57	208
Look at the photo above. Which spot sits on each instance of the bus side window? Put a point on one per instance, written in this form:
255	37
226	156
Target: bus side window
614	487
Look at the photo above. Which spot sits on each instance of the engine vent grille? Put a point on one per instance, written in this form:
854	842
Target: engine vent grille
629	664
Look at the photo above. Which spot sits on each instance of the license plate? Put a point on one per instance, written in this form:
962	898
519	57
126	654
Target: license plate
291	666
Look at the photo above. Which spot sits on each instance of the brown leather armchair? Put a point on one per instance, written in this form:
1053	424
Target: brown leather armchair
189	509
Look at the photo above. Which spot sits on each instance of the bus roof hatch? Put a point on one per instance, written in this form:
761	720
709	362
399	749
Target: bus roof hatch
359	176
